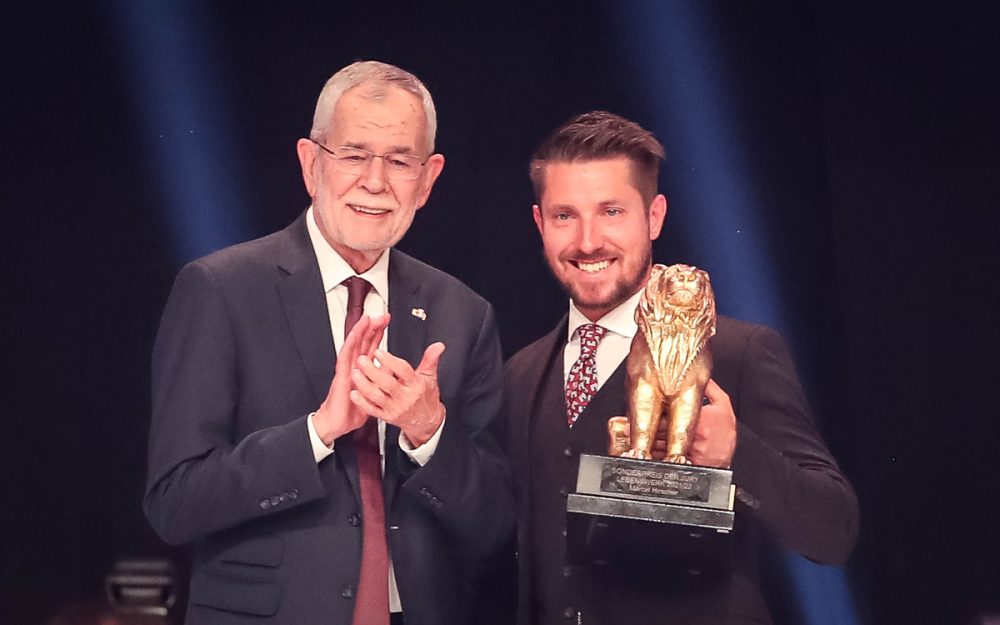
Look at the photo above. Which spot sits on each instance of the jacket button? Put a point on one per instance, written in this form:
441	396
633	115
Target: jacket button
564	491
347	592
569	612
354	520
568	453
293	494
264	504
275	501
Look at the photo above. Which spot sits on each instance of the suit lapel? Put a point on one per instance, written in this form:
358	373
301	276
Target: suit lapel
302	296
408	326
544	357
407	340
536	366
525	409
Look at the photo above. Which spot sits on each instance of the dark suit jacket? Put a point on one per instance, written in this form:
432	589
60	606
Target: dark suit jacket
243	354
789	486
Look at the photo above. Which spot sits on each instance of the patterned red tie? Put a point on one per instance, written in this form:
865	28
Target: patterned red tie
581	385
372	605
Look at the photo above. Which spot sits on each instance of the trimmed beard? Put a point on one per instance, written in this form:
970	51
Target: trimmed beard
624	288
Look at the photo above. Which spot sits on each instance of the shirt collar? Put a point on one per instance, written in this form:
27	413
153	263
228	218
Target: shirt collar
620	319
334	269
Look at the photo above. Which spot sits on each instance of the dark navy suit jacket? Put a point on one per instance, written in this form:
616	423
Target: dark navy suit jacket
244	353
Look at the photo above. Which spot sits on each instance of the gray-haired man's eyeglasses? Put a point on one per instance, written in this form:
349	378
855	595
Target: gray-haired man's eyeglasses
398	166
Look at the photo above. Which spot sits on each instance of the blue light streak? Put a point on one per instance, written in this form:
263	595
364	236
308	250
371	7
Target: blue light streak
682	79
186	133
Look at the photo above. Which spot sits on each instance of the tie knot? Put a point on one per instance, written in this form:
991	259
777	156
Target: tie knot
590	335
357	290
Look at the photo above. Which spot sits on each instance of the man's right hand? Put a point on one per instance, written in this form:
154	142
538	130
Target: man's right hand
338	415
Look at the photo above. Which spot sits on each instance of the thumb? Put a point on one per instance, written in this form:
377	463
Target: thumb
432	356
714	392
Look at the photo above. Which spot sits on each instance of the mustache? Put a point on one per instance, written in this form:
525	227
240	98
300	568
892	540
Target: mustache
587	258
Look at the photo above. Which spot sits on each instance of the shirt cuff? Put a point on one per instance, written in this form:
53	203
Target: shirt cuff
423	454
320	449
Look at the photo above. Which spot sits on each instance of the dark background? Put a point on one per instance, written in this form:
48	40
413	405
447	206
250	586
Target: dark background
870	134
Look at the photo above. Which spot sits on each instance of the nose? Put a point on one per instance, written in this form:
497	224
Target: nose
372	179
591	238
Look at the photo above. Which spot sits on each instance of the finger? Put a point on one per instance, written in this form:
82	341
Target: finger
432	356
396	366
714	393
366	406
378	376
357	331
619	422
349	350
374	335
369	389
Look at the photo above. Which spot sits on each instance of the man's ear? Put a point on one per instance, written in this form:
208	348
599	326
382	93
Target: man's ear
657	213
307	159
536	212
432	169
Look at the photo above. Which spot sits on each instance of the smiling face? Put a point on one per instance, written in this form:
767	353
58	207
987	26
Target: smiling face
362	215
597	231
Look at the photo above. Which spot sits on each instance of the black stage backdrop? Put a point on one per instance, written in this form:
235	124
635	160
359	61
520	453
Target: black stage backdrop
870	131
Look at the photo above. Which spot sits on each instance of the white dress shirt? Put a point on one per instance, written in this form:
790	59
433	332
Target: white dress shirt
613	348
334	270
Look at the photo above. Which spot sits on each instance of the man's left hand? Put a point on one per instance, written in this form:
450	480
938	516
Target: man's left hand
715	436
401	395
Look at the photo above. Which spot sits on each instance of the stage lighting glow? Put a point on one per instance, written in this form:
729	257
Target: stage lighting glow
676	62
182	111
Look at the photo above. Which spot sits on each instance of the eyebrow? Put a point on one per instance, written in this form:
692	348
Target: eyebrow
601	204
396	149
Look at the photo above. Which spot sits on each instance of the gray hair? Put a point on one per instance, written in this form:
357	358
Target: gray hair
379	75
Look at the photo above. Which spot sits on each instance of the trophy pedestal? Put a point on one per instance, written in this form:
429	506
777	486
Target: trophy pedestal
643	510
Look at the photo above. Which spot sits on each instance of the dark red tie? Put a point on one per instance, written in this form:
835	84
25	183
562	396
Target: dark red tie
581	384
372	604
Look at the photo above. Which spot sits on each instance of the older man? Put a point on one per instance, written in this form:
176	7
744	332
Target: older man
325	407
598	212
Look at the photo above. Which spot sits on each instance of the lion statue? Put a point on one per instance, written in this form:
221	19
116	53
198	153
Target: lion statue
669	363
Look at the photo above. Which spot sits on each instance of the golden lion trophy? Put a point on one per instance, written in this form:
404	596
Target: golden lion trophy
670	361
668	366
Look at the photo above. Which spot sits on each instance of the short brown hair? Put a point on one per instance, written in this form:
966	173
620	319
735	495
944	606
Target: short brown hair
601	135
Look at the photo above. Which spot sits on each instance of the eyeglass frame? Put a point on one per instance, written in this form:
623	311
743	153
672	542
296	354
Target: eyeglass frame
389	172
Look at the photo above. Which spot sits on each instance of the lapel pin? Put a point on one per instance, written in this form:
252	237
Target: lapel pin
419	314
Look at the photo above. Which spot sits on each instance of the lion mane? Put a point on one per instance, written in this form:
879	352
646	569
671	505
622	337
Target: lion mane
676	329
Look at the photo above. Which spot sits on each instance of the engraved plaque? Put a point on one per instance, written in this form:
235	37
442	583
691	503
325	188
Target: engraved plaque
655	481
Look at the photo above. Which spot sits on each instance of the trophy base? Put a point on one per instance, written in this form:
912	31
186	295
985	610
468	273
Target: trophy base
674	514
629	510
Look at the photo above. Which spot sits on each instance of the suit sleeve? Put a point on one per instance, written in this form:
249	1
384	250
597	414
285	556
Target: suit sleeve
466	484
787	479
201	478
